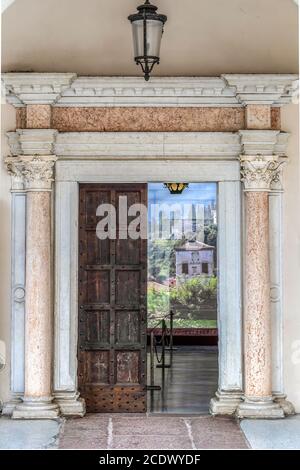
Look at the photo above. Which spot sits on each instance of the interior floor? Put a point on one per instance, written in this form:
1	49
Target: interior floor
187	386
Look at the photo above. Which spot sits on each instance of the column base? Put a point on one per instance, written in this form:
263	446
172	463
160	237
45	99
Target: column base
259	408
287	406
9	406
36	408
70	404
225	402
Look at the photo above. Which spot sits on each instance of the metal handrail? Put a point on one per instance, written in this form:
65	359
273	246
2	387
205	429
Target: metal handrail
153	348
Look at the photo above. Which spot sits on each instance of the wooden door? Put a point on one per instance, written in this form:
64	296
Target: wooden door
112	306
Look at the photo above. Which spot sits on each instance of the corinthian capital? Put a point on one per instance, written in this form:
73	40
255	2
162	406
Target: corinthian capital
36	173
15	169
258	172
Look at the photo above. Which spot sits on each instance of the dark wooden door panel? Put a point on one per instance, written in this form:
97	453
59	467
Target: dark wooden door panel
112	306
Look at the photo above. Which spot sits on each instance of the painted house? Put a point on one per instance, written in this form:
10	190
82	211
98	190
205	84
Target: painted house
194	258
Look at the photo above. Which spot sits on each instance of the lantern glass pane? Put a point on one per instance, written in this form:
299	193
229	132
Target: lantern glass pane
138	38
154	34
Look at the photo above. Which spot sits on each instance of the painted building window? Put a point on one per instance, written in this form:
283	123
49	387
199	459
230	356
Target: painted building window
205	268
185	268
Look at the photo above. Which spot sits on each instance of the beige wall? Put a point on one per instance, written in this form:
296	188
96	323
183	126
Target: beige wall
202	37
8	124
291	274
291	255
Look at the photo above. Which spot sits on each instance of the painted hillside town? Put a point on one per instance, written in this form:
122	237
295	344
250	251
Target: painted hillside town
182	260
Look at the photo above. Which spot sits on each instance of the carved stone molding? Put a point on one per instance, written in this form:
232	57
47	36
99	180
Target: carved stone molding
262	89
164	91
70	90
14	167
281	144
258	172
258	142
32	141
19	293
36	173
35	88
14	143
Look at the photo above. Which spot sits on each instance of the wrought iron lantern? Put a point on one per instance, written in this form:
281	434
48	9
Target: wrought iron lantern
176	188
147	30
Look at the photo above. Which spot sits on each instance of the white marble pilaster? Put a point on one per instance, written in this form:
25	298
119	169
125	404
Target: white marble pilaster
229	393
65	309
18	289
276	294
18	243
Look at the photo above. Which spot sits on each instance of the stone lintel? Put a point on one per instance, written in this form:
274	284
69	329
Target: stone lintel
128	145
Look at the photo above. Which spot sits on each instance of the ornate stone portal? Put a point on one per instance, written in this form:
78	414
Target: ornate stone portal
100	156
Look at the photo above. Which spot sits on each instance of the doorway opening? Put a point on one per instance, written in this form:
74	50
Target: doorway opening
147	274
182	333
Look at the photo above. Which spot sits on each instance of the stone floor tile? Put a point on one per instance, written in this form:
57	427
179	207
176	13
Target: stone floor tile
121	431
151	442
217	433
273	434
82	443
89	422
156	426
28	434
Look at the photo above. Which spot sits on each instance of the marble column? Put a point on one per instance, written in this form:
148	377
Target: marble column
38	400
258	172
